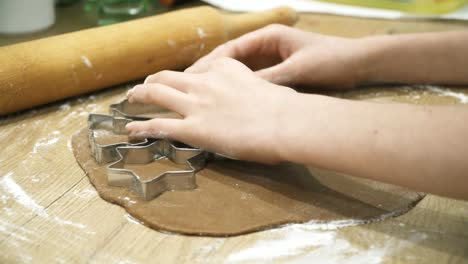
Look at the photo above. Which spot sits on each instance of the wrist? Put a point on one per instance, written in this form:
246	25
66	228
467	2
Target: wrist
390	59
286	126
297	128
370	58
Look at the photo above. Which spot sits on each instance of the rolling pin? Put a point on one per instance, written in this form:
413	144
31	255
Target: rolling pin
46	70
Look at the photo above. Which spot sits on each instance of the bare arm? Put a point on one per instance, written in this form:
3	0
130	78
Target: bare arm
423	148
289	56
429	58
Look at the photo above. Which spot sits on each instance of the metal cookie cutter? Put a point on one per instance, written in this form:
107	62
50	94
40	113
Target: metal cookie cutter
106	153
195	159
135	111
122	113
150	150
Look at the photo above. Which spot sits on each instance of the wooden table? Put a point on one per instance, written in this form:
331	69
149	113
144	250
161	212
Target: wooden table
49	212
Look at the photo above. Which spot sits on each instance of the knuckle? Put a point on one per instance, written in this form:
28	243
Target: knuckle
159	76
153	93
139	89
224	61
275	28
149	79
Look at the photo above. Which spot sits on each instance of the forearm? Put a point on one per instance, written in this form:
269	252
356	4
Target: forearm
436	58
418	147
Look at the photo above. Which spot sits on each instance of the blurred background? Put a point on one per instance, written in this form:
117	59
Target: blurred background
22	20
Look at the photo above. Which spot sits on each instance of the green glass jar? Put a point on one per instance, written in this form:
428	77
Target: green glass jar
114	11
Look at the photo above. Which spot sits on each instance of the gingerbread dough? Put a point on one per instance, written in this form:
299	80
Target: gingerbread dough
235	197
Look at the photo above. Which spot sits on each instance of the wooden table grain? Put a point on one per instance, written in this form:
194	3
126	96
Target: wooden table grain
50	213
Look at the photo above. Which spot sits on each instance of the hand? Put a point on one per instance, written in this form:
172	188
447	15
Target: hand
227	109
289	56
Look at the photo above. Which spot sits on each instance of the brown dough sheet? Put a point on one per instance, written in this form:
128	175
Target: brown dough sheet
235	197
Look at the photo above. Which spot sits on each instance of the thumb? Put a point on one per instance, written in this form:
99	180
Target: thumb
281	74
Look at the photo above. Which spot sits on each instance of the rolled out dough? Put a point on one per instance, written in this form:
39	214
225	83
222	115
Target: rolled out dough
235	197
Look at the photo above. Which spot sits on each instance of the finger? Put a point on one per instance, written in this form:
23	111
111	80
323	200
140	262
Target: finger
156	128
261	42
178	80
282	74
202	64
161	95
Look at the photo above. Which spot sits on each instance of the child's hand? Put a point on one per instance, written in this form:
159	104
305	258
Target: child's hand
227	109
289	56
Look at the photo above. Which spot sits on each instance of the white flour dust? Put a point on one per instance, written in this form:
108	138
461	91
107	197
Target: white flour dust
6	228
86	194
171	43
133	220
51	139
302	244
21	197
315	240
17	193
463	98
211	247
69	145
65	107
449	93
86	61
201	33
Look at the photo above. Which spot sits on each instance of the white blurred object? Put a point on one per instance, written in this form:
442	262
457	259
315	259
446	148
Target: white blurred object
310	6
25	16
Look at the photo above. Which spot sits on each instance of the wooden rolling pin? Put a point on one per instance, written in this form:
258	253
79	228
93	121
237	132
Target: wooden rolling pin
46	70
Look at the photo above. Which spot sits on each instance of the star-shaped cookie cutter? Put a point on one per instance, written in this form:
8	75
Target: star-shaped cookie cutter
121	114
150	150
106	153
195	159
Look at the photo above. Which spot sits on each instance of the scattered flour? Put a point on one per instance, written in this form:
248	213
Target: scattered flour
35	179
296	240
86	61
133	220
5	228
201	33
65	107
69	145
463	98
17	193
20	196
211	247
129	201
68	223
74	74
171	43
302	244
86	194
291	243
51	139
